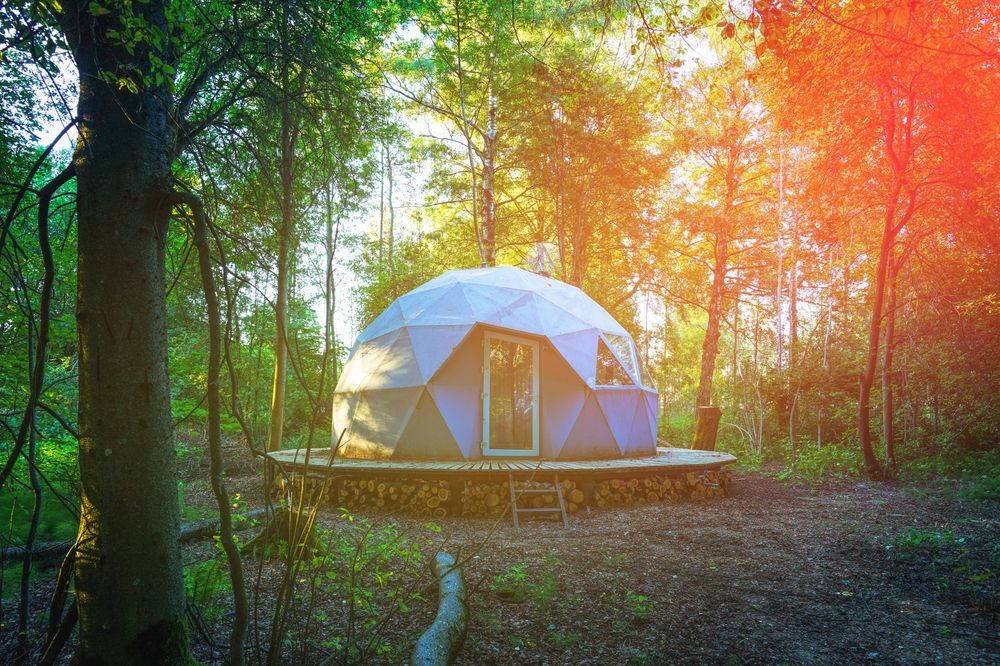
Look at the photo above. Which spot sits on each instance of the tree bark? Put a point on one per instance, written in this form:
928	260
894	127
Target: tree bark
888	406
467	129
707	428
874	337
898	154
489	205
289	139
129	581
710	347
240	618
440	644
330	293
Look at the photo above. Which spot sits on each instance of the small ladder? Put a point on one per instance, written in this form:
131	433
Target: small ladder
556	489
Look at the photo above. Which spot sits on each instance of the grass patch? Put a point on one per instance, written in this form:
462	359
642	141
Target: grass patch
956	565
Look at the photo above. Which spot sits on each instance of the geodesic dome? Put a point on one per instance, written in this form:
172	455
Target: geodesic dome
494	362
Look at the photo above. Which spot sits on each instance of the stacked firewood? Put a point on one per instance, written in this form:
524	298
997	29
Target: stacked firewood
491	499
423	497
672	488
438	498
485	499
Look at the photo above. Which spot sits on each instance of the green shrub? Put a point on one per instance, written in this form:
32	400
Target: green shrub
917	539
639	606
984	487
814	464
205	581
512	584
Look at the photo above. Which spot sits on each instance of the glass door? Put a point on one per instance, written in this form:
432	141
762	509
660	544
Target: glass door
510	396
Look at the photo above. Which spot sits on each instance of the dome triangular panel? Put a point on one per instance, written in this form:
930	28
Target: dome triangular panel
639	432
520	315
451	307
432	345
580	351
415	303
487	301
619	407
398	366
390	319
553	320
379	421
427	435
366	358
591	437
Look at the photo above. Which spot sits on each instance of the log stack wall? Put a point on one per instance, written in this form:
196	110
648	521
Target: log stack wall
490	497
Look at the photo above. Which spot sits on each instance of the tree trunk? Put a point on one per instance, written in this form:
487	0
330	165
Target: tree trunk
489	205
899	151
289	139
129	582
330	294
874	337
466	130
888	406
392	220
440	644
793	308
24	600
710	348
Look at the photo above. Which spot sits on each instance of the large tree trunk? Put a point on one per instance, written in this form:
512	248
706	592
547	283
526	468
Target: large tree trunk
710	347
129	583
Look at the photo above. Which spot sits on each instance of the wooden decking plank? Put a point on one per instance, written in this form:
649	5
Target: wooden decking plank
667	461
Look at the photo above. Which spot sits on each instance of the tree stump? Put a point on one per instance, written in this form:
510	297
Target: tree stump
706	428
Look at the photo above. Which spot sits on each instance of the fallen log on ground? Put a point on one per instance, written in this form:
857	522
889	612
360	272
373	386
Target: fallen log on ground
53	551
439	645
206	528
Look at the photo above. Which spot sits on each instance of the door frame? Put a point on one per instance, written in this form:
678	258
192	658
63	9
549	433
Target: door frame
487	449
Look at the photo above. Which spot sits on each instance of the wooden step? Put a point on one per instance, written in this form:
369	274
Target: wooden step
554	489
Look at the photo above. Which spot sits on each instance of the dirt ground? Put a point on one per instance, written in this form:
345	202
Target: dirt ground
777	573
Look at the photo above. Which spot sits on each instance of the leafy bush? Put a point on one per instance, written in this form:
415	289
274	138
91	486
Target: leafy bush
984	487
815	464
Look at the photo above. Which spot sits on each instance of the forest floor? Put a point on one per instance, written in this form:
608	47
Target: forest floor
775	573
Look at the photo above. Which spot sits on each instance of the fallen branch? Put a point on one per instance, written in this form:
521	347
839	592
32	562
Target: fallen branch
53	551
206	528
439	645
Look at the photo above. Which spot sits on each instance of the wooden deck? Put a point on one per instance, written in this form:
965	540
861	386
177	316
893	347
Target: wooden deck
666	461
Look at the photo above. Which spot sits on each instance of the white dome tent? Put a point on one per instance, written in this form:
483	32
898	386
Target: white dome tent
494	363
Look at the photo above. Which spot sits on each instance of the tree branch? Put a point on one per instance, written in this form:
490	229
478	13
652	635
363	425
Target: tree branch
38	376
